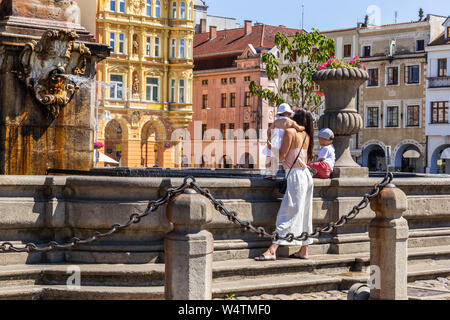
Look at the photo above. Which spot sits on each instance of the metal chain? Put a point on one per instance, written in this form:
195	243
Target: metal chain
232	216
134	219
218	205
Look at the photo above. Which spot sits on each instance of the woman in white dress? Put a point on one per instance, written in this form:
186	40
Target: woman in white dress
295	214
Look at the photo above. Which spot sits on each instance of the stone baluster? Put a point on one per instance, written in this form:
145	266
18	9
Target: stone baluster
388	234
189	248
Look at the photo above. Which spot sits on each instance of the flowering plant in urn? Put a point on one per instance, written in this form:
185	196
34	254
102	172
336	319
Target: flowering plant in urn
340	81
98	145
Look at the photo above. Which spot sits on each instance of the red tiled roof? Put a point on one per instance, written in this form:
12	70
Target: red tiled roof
235	40
440	40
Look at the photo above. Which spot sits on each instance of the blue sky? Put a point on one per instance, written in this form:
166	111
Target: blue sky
323	14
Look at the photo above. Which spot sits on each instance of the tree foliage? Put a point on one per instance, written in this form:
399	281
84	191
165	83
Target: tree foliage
300	58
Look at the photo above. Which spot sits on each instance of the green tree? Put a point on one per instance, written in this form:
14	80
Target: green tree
303	53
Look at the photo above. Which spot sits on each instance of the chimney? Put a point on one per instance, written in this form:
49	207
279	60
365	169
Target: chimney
202	25
212	32
248	26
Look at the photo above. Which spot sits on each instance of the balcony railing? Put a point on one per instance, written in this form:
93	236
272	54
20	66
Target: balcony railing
439	82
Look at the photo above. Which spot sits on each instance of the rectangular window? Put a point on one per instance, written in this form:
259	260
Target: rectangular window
231	131
174	10
158	9
182	49
347	50
121	43
373	78
223	80
232	80
173	45
157	47
247	79
205	101
247	99
112	5
412	116
439	112
442	67
148	8
448	32
232	100
116	89
392	117
122	6
189	49
183	10
223	99
366	51
112	41
223	130
189	91
246	129
204	82
204	129
148	48
372	117
412	74
420	45
152	92
172	90
181	91
392	76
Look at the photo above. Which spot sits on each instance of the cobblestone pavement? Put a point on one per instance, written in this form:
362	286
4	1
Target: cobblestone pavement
437	284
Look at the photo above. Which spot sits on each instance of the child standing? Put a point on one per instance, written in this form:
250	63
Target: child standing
327	155
275	135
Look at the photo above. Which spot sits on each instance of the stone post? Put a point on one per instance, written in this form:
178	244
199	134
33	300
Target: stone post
388	234
189	248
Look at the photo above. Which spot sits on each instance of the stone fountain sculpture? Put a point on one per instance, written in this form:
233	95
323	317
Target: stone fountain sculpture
340	87
47	64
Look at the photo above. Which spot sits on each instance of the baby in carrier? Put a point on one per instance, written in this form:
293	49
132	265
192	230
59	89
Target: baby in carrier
275	135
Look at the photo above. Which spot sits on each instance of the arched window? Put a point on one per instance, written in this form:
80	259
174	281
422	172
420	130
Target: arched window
183	10
182	49
174	10
158	9
148	8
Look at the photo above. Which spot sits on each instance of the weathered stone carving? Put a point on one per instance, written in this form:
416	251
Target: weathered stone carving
137	6
47	67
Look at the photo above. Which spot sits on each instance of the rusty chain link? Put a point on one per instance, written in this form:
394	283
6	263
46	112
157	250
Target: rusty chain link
218	205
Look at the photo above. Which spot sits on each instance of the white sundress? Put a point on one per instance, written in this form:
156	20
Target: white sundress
295	214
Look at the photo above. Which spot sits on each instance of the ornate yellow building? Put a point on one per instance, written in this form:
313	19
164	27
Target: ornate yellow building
145	87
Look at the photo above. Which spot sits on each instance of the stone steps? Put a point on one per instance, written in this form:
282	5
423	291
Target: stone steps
241	277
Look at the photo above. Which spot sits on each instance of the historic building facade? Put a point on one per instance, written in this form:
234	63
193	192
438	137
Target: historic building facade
437	124
145	87
392	101
229	126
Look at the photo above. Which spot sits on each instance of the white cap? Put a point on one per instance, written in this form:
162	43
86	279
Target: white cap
284	107
326	134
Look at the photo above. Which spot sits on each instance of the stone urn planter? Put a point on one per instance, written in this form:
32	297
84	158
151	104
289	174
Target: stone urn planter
340	86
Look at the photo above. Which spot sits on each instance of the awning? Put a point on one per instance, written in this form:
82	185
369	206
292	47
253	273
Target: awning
104	158
446	154
411	154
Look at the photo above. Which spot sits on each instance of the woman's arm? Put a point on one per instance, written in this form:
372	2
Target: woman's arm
286	144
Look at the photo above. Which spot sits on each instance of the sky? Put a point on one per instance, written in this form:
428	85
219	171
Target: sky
324	14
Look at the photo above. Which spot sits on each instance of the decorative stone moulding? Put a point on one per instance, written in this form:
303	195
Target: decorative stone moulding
340	86
48	68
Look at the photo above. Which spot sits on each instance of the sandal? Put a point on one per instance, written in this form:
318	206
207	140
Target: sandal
262	258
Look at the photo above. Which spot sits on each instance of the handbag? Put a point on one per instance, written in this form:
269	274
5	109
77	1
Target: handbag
282	185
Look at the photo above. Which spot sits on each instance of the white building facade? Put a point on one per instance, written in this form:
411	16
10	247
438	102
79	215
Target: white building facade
437	103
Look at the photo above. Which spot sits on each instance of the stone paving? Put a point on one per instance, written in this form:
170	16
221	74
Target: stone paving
437	284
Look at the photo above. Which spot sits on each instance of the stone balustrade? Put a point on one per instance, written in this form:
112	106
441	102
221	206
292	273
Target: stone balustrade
44	208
